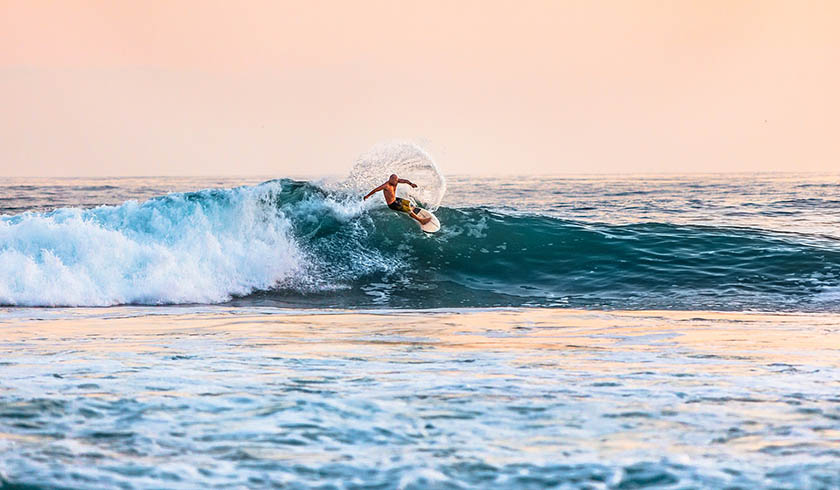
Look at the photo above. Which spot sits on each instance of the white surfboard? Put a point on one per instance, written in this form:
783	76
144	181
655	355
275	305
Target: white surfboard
430	227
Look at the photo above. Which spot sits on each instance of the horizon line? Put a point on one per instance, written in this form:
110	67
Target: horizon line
489	174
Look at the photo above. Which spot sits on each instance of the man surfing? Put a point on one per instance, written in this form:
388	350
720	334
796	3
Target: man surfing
389	189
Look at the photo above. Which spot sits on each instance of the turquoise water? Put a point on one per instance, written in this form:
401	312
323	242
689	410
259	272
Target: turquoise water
751	242
527	398
559	332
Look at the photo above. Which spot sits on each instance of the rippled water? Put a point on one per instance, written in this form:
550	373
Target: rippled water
342	357
501	399
739	242
787	202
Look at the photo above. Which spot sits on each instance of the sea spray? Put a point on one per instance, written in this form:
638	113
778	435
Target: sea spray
408	161
293	243
199	247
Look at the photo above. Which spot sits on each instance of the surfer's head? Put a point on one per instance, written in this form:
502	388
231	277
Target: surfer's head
393	179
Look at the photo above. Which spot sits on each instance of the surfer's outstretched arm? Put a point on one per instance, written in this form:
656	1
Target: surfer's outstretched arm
406	181
374	191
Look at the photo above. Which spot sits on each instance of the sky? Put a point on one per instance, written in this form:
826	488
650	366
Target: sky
183	87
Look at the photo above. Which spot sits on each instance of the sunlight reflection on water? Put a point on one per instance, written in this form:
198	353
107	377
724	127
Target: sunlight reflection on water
495	398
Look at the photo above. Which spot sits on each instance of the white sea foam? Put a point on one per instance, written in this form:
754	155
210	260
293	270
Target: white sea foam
200	247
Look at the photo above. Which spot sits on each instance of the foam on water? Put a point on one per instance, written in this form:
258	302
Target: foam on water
197	247
531	398
294	243
229	396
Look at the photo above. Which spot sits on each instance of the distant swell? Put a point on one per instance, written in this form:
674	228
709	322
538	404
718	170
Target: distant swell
288	243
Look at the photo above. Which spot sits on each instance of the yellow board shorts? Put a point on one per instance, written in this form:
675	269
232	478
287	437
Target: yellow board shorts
400	204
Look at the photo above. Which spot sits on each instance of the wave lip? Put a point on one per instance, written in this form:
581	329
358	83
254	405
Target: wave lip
200	247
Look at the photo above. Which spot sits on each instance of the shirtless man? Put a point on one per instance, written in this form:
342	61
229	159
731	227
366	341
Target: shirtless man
397	203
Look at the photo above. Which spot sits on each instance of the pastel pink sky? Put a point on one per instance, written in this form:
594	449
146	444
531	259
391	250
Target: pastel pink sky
279	88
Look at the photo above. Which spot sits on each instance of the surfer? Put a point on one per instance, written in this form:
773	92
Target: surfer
389	189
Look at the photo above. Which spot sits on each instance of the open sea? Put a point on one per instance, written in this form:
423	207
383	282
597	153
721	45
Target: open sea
570	331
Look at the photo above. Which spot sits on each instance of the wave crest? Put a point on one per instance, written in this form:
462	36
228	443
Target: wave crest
201	247
289	243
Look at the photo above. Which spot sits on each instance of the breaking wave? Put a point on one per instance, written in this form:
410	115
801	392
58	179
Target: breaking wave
293	243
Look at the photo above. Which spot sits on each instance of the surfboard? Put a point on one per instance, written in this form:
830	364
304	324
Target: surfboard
430	227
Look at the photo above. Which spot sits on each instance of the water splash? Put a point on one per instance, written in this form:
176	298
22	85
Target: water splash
408	161
292	243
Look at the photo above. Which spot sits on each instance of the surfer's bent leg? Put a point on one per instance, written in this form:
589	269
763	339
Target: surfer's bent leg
420	220
404	206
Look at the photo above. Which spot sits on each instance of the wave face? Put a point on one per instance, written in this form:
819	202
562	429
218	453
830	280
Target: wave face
291	243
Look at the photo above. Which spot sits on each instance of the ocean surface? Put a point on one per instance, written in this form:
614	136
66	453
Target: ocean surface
568	331
707	242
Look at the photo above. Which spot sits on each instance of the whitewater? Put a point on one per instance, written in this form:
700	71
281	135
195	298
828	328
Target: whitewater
314	243
566	331
768	243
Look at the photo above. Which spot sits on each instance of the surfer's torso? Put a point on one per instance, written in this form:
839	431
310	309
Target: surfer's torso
390	193
389	189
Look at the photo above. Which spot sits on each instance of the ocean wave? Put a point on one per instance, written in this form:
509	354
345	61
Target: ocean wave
292	243
200	247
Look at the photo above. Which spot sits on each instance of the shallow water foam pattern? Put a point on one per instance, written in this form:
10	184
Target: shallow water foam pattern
177	398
